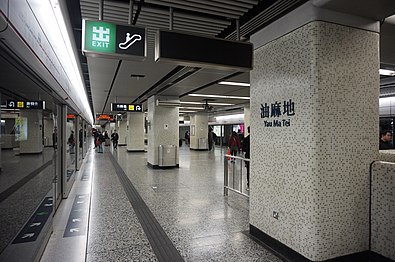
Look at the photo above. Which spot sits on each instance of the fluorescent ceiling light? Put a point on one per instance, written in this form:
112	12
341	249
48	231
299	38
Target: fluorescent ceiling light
187	111
61	42
386	72
233	83
202	103
191	107
220	96
230	117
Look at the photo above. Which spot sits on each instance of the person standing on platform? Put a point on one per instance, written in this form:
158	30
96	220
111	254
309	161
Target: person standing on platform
234	145
71	142
95	136
55	137
114	138
386	140
210	139
80	139
187	137
246	150
99	142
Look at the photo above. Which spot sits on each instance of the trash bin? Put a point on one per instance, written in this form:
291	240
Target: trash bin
167	155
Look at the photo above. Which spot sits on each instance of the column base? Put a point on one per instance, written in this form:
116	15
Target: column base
131	151
161	167
197	149
288	254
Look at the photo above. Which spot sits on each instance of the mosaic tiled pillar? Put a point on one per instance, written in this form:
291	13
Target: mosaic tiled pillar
162	130
135	137
247	121
383	209
122	132
199	131
314	126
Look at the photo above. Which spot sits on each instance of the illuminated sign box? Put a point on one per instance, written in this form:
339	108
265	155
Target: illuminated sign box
101	38
126	107
21	104
192	50
105	117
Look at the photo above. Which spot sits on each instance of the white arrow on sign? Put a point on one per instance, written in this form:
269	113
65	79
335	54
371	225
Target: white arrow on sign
72	230
80	202
48	205
28	235
81	196
138	108
35	224
11	104
76	220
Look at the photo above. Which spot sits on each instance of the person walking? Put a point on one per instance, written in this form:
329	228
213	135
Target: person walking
114	138
99	142
234	145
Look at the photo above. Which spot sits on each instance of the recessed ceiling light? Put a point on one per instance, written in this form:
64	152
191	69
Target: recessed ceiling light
221	96
233	83
137	76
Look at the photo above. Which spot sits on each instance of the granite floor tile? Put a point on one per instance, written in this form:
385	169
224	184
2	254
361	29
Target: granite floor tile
187	202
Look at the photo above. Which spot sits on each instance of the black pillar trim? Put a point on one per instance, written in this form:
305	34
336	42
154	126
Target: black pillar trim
289	255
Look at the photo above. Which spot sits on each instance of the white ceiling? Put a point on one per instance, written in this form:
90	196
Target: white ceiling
110	80
208	18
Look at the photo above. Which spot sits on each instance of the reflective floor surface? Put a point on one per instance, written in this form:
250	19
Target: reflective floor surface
121	210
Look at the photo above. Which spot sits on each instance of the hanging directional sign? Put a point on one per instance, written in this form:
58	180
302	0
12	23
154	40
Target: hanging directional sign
193	50
126	107
103	38
22	104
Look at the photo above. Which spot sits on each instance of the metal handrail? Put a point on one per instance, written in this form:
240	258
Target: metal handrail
226	176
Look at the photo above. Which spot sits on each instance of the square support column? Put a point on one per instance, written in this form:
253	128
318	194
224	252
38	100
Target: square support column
314	133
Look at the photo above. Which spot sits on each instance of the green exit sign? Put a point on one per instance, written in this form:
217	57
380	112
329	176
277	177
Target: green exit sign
101	38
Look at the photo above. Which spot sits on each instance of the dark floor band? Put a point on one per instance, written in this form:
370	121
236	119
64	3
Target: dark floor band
160	242
9	191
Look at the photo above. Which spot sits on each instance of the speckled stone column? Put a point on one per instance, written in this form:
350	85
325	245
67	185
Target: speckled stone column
122	132
162	130
199	130
135	137
247	121
314	133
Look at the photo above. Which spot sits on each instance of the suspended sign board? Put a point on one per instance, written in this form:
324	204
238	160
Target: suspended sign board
192	50
105	117
107	39
126	107
21	104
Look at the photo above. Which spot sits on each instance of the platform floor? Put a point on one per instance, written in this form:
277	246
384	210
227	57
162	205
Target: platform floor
121	210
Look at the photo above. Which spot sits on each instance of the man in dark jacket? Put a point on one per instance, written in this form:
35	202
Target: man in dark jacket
386	140
114	138
246	150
